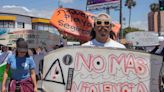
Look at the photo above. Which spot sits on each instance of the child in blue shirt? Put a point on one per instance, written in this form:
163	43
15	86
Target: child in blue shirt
22	66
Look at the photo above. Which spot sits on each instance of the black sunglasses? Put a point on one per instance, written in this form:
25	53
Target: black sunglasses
103	22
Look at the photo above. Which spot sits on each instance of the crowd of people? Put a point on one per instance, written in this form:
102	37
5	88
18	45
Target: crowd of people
24	63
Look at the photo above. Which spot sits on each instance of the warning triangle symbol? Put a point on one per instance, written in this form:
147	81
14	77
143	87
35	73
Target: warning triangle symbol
55	73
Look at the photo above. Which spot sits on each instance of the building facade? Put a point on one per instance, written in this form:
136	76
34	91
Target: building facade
12	22
16	22
153	21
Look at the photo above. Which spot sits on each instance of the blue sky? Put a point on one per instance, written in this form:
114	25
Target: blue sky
45	8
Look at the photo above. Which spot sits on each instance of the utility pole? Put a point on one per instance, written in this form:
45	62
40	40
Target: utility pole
159	20
59	4
121	31
161	8
86	8
108	10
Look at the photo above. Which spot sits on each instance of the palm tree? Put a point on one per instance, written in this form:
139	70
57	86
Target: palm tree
154	7
130	4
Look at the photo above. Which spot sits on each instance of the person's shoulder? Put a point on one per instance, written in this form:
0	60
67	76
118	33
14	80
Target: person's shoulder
10	53
86	44
30	57
11	56
118	45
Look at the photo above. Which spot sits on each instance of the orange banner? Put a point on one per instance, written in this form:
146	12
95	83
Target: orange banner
75	22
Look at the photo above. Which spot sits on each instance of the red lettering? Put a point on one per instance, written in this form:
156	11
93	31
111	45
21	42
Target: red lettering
99	64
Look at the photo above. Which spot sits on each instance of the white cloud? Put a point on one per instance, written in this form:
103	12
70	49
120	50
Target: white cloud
42	13
25	11
15	7
67	1
140	24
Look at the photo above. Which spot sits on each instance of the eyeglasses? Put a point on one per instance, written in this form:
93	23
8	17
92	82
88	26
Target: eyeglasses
103	22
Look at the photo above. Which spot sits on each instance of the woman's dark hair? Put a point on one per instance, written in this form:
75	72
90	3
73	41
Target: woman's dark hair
21	43
4	47
93	33
27	54
112	35
18	40
34	51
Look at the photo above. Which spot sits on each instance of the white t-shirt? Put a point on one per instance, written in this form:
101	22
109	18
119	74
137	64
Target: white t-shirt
110	43
4	56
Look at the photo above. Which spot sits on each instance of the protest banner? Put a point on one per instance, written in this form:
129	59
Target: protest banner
141	38
75	22
93	69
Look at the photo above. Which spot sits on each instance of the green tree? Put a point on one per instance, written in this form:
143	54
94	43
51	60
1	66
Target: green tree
130	29
129	4
154	7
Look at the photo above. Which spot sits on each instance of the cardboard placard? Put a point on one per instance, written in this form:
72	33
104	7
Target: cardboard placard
91	69
141	38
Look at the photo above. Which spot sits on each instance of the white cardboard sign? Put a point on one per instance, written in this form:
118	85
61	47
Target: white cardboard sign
143	38
91	69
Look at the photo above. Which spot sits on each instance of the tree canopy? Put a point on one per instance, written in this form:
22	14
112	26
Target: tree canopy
130	29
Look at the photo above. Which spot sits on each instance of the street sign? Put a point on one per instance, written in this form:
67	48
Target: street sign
102	4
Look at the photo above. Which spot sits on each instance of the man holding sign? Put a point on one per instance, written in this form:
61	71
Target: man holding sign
100	33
